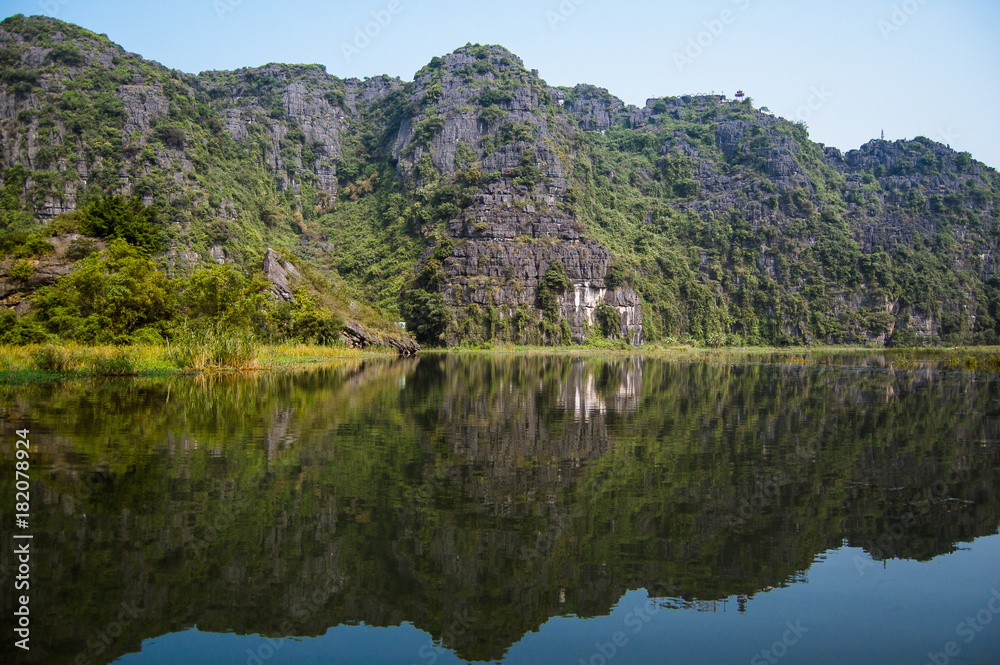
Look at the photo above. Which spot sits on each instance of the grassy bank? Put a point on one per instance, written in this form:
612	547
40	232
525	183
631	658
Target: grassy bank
942	358
216	354
42	362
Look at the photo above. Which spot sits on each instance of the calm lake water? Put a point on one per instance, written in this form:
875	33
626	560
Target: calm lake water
455	509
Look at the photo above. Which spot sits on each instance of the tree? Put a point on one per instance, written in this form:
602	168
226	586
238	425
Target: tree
117	217
108	297
426	315
223	294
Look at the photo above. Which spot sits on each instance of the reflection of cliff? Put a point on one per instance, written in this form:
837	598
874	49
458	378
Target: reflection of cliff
507	490
615	387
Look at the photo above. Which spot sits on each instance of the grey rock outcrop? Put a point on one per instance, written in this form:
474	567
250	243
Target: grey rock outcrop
361	337
280	274
503	248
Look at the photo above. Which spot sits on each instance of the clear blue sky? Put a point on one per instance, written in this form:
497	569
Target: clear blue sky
909	67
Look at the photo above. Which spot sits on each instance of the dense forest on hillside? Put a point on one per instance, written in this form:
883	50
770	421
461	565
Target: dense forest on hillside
476	203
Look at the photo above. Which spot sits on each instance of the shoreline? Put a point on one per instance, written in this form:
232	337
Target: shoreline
43	363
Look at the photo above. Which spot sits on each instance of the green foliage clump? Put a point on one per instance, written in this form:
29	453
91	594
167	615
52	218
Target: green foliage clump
171	135
422	306
225	296
514	132
21	270
608	320
80	248
20	330
67	54
33	246
427	316
426	130
526	172
117	217
491	115
554	283
108	297
616	276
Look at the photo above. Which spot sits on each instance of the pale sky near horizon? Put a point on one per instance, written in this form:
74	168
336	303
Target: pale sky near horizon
849	69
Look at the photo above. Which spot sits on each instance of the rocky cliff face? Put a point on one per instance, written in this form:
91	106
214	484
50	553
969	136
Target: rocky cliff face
506	245
480	110
36	272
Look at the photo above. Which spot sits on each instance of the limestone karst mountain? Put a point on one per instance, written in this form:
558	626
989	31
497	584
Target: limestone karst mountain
481	205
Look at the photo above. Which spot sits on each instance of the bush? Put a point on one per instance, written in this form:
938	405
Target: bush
150	336
608	319
33	246
20	330
221	293
108	297
80	248
686	189
615	277
491	115
514	132
68	55
117	217
171	135
21	270
317	325
426	130
426	315
11	240
526	172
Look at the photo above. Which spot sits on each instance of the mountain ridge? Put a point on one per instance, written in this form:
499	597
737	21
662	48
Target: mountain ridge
484	206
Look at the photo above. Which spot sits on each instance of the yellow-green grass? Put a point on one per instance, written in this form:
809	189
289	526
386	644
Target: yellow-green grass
942	358
38	362
35	362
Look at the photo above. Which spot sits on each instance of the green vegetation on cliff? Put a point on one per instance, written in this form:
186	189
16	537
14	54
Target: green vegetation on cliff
730	224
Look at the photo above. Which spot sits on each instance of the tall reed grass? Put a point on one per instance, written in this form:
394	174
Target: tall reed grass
214	348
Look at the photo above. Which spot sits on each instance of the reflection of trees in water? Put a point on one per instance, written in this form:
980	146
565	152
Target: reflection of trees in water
506	489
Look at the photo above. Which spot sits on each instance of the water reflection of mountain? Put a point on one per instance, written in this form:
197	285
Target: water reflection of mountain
501	491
